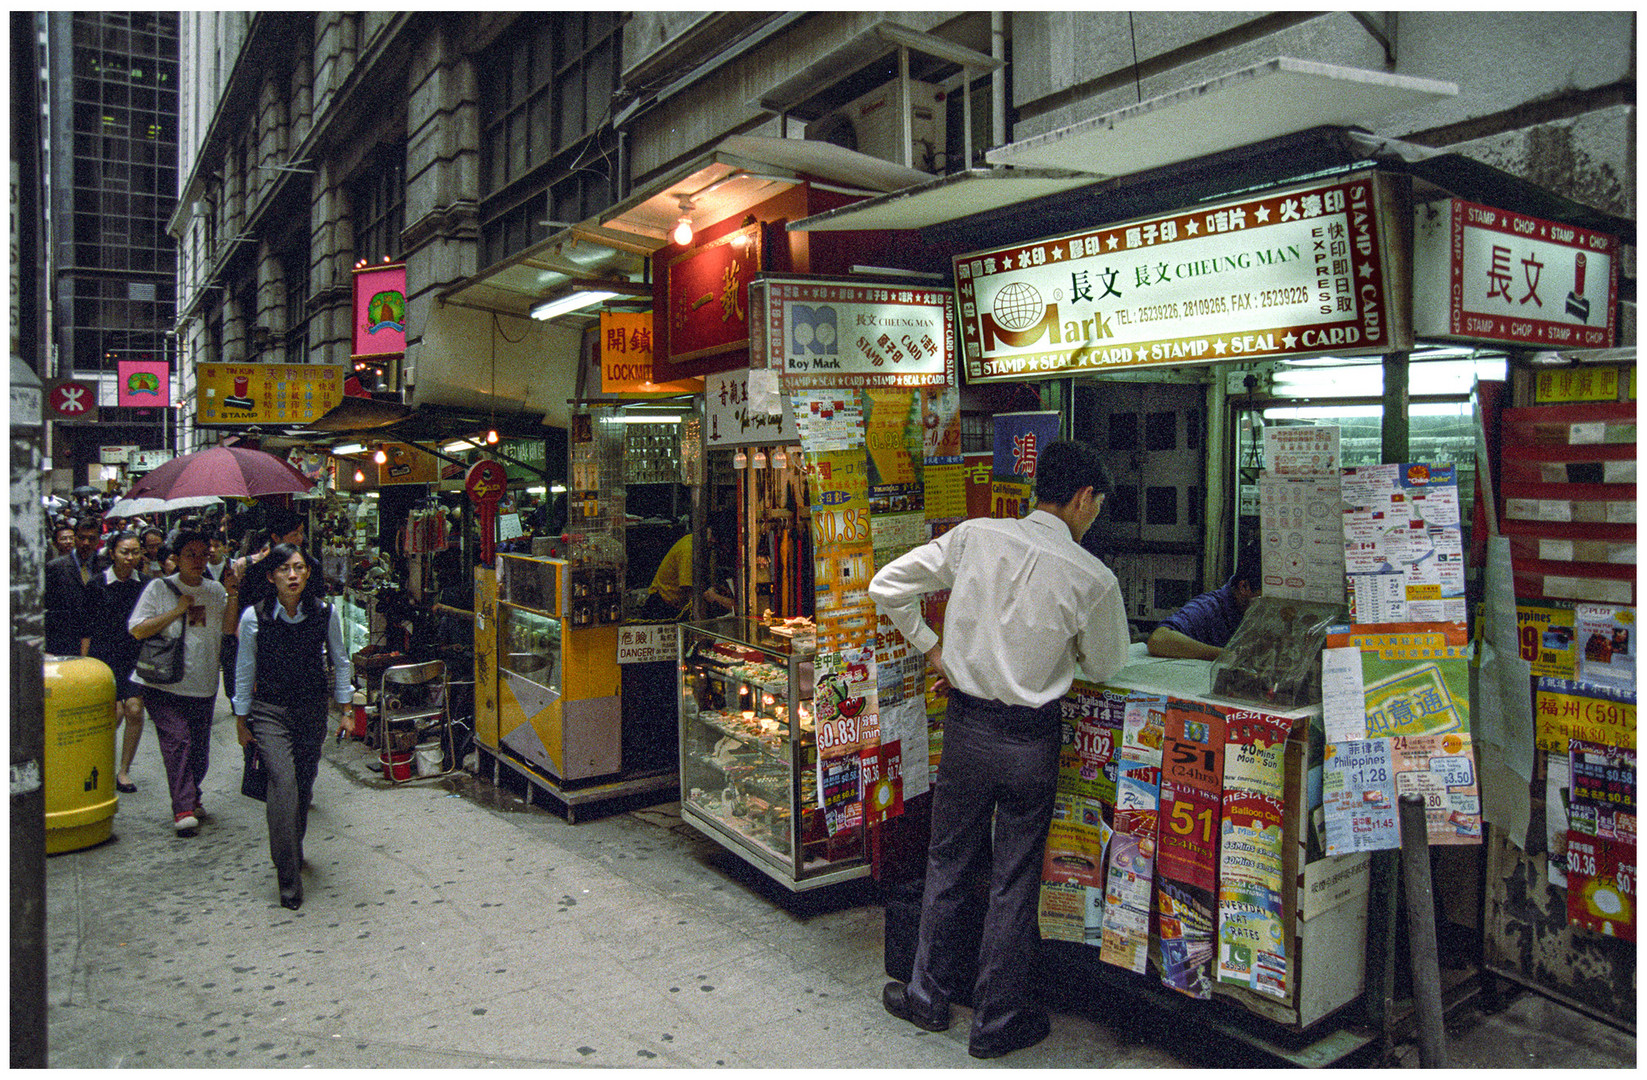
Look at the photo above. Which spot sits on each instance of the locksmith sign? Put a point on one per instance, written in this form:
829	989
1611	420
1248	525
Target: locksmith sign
1294	272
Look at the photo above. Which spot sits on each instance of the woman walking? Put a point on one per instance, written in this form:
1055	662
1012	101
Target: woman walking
185	603
280	701
111	598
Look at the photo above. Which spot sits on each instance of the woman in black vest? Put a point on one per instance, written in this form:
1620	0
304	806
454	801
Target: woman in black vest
280	701
110	598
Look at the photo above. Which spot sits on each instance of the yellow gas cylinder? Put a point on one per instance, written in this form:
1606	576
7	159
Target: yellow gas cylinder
78	763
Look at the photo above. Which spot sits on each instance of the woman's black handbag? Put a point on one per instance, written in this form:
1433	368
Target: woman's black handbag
160	658
254	783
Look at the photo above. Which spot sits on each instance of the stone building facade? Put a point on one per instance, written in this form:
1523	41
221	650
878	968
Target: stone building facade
469	146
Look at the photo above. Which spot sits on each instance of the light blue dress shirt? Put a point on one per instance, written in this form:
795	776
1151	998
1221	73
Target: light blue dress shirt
245	664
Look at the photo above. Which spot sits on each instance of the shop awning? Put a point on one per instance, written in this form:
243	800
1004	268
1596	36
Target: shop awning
740	172
1276	97
946	198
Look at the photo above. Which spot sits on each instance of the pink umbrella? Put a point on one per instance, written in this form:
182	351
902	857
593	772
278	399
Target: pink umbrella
225	471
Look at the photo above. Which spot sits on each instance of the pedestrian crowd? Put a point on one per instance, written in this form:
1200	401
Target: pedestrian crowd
167	610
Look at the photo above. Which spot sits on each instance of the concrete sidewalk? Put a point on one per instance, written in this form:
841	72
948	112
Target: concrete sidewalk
446	924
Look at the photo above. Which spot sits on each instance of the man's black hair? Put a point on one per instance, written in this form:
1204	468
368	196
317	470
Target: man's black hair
282	521
1249	567
186	537
1064	467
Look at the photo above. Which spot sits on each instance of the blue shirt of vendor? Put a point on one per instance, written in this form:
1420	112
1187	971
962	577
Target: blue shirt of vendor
1210	618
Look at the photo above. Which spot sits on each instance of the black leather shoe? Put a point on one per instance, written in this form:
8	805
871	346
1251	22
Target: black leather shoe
291	903
896	999
1025	1037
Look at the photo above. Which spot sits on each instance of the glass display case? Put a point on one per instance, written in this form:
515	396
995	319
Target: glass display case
557	701
749	759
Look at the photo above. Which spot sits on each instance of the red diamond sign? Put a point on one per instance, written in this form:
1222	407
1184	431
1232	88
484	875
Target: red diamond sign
71	399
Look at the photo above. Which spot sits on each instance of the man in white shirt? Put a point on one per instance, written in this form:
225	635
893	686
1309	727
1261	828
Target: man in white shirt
1029	610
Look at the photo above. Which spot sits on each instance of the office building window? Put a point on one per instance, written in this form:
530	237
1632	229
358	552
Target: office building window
378	199
548	152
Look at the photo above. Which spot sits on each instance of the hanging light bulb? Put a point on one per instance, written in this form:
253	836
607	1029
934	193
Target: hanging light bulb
382	456
491	436
360	477
760	458
780	460
739	461
683	225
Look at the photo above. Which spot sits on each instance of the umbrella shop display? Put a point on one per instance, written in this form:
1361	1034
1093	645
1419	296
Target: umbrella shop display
223	471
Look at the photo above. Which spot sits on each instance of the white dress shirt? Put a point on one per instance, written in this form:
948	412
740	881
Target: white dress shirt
1028	610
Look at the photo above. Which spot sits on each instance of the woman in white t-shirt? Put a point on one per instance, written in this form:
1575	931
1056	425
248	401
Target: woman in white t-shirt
190	604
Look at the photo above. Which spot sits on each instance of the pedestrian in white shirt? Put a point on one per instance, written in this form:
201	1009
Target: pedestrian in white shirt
186	603
1029	610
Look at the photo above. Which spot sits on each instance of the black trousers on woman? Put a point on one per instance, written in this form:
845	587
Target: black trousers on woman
289	742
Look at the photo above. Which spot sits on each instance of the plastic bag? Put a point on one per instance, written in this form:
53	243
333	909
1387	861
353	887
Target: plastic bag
1274	658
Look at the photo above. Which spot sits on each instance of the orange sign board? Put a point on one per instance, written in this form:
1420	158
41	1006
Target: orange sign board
626	357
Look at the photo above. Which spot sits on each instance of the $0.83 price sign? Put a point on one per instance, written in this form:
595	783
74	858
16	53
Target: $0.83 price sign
837	732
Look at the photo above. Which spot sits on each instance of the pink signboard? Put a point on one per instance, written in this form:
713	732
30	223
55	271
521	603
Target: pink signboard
380	311
145	384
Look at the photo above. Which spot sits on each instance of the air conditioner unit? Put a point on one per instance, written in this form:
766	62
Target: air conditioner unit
873	124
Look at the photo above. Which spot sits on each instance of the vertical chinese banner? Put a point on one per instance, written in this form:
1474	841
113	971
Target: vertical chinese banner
1601	840
1252	939
1192	779
1019	439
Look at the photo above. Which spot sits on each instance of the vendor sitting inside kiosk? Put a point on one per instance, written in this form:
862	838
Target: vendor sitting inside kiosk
1202	627
671	588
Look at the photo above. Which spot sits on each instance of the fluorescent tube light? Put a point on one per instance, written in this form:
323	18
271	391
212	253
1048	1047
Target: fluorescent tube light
572	302
345	449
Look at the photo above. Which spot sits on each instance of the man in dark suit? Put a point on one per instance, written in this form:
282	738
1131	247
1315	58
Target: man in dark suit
68	581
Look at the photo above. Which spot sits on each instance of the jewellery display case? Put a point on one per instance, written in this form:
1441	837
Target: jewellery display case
749	759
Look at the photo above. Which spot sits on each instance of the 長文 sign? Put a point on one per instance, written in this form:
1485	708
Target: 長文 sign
1482	273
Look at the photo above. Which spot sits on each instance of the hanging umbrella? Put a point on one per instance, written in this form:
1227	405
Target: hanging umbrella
227	471
126	508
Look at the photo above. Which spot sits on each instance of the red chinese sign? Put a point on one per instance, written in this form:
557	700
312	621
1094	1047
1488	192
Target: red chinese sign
1483	273
708	298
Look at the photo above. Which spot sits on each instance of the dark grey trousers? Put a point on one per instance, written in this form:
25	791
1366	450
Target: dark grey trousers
991	807
289	743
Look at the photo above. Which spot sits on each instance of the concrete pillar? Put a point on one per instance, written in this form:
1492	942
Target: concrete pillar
331	284
441	239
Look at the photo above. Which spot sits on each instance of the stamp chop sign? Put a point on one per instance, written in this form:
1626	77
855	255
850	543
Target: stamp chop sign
1288	273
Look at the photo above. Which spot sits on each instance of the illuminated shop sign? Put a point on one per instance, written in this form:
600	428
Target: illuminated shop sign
823	333
1288	273
1486	274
